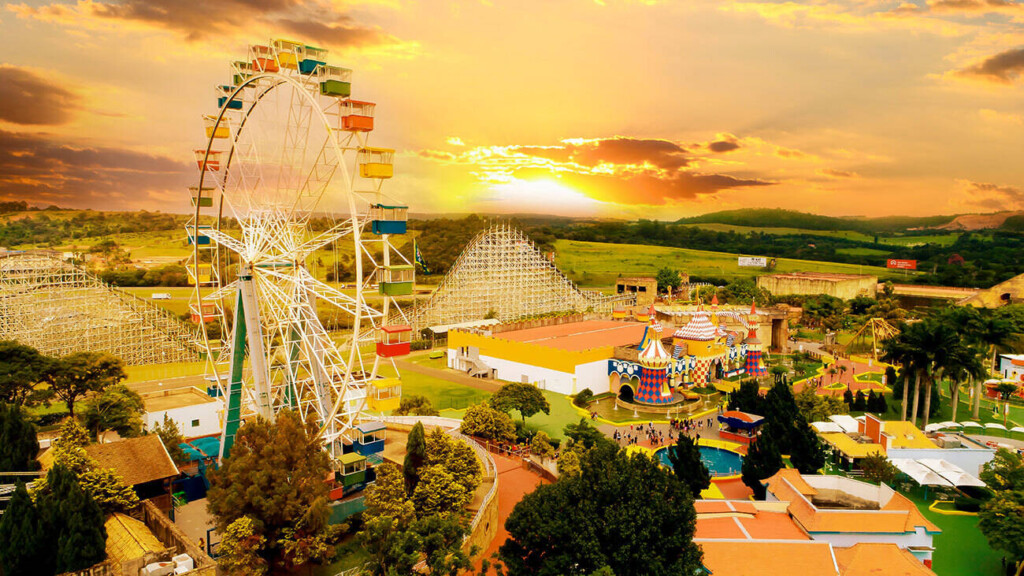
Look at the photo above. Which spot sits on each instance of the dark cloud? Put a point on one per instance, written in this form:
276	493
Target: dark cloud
833	173
664	154
1003	68
40	168
650	189
27	98
993	196
971	5
723	146
197	20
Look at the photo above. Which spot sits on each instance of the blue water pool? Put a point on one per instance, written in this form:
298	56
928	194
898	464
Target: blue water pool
719	462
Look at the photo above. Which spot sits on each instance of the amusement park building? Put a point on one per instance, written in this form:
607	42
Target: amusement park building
845	286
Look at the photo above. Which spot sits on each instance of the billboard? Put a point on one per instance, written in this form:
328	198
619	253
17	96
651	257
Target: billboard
901	264
757	261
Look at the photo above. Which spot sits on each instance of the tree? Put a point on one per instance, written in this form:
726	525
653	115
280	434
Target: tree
815	407
482	421
540	445
877	468
416	405
859	402
441	538
623	512
805	449
747	398
108	489
81	373
415	457
762	461
568	464
1001	520
849	399
668	280
74	522
24	538
1004	472
275	476
18	443
69	448
437	492
688	466
21	368
585	434
117	408
456	457
526	398
171	437
583	397
387	496
240	552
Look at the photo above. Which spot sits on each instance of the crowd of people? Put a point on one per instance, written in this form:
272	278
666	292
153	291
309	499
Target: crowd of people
659	437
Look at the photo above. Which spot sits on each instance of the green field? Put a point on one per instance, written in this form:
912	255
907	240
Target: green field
847	234
598	264
862	252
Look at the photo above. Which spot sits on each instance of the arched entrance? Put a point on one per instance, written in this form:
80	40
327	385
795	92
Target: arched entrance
626	393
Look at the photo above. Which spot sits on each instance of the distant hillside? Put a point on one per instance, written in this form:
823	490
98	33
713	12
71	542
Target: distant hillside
778	218
983	221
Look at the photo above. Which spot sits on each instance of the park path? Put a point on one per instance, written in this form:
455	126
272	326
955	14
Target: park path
514	482
846	377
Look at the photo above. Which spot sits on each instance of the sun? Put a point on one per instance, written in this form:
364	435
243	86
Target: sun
547	195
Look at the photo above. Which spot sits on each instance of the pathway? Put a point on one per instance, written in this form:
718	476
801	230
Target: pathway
514	482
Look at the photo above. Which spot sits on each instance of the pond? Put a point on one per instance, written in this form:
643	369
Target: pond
719	462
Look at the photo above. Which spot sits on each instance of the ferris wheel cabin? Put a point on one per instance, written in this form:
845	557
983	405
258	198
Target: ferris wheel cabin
388	219
356	116
262	58
211	162
215	130
202	239
394	340
396	280
240	72
376	162
204	313
202	274
204	198
385	395
310	58
225	93
287	53
369	438
335	81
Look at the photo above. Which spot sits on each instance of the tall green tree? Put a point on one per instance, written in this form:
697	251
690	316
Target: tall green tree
172	439
415	457
21	369
275	476
25	541
992	332
81	373
762	461
805	449
668	280
74	522
416	405
18	443
482	421
623	512
688	466
1004	472
747	398
117	408
526	398
1001	520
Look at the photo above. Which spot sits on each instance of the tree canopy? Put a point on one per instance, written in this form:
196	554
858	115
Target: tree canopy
76	375
21	368
762	461
623	512
18	443
688	466
117	408
482	421
526	398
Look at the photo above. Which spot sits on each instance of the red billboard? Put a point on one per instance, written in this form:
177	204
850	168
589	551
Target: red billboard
901	264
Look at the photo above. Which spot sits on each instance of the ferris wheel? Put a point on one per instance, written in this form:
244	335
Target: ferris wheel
289	205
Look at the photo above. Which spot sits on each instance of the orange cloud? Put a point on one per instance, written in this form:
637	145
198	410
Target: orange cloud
1002	68
28	98
989	196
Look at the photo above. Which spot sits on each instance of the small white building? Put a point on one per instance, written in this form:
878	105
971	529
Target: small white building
1011	367
195	413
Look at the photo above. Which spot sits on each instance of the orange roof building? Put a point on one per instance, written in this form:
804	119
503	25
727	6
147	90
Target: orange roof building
846	512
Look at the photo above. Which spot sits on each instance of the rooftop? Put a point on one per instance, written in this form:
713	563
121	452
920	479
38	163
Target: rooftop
136	460
827	276
742	557
906	435
172	399
580	336
129	539
745	520
850	447
868	559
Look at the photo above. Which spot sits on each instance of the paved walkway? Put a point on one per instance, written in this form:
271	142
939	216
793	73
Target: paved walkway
514	482
194	520
849	379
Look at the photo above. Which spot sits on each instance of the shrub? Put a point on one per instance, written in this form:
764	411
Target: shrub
485	422
583	397
965	504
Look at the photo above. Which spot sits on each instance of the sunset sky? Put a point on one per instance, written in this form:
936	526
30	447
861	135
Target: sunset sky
614	108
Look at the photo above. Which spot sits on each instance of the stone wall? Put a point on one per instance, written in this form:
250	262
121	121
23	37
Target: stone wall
845	286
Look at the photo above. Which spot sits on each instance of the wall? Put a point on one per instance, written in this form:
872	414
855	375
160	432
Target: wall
554	380
593	375
167	532
1009	370
905	540
208	414
553	359
845	288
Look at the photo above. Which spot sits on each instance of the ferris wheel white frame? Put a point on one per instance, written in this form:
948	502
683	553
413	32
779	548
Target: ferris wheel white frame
273	279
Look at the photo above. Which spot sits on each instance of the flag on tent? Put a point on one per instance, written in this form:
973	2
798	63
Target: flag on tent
419	257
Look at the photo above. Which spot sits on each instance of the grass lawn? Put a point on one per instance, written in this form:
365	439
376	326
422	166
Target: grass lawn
599	264
863	251
562	413
349	554
158	371
961	549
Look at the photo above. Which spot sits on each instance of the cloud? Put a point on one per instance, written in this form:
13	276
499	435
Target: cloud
991	196
40	168
28	98
199	20
997	117
727	143
617	169
973	5
1002	68
833	173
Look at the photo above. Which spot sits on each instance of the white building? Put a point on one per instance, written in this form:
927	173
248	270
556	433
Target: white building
1011	366
195	413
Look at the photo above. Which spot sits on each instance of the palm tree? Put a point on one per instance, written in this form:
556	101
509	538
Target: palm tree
940	340
910	349
963	362
992	332
896	351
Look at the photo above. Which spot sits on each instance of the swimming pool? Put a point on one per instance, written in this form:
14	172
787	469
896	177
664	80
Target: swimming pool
719	462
